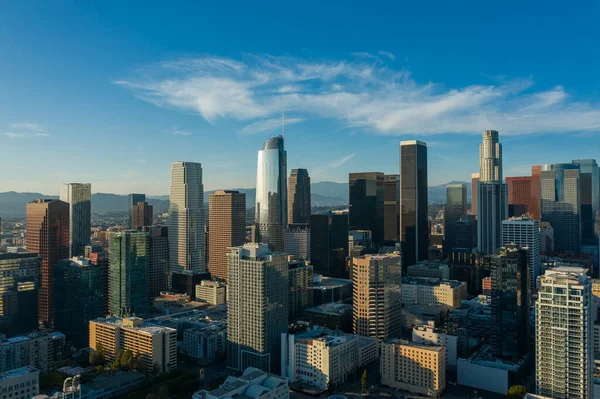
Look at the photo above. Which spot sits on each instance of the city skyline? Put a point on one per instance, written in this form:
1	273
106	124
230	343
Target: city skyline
401	84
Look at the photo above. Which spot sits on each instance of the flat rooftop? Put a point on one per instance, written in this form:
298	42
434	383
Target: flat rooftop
331	308
409	280
20	372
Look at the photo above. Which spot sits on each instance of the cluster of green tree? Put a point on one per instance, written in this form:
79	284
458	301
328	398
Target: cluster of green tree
516	392
181	382
124	360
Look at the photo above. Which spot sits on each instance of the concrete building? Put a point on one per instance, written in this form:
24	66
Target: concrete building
327	289
226	228
211	292
455	209
320	357
564	323
366	206
432	291
257	308
254	383
207	343
376	299
114	386
414	367
428	334
82	287
414	227
359	239
546	238
41	350
186	218
157	345
132	200
299	197
335	316
297	241
79	198
143	215
490	157
19	285
50	243
300	282
525	233
426	269
20	383
127	273
271	193
524	196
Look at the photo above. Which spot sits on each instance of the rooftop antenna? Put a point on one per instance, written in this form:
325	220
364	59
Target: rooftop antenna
283	122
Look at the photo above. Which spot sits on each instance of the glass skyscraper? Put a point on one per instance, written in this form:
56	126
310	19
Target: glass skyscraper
299	197
590	198
455	209
271	193
132	200
79	198
366	194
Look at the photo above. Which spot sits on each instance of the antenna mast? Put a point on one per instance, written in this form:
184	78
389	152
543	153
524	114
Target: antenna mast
283	122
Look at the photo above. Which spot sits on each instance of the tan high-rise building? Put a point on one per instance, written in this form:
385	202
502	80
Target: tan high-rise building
156	344
226	228
418	368
48	235
376	297
142	215
474	192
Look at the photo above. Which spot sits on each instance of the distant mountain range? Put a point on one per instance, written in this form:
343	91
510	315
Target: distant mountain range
325	193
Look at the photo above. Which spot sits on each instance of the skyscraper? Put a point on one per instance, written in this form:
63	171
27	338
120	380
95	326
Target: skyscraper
510	302
257	310
127	270
564	334
376	296
271	193
186	218
227	228
590	198
391	208
299	197
79	198
536	192
297	241
525	233
366	195
455	209
157	261
48	236
561	201
492	196
521	198
142	215
414	227
133	200
329	244
474	193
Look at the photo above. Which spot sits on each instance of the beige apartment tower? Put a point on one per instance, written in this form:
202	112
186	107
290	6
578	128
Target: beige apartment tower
376	296
226	228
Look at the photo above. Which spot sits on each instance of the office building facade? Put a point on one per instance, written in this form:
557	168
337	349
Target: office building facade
186	218
414	227
474	193
300	288
19	286
366	196
523	196
142	214
455	209
391	209
299	197
227	228
132	200
297	241
257	311
590	199
79	198
157	260
48	236
329	244
271	193
525	233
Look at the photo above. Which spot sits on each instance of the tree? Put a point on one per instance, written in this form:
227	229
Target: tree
516	392
151	396
163	392
97	356
126	360
364	382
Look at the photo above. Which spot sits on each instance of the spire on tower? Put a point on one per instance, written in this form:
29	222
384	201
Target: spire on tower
283	123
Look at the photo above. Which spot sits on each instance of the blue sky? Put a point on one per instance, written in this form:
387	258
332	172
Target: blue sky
111	94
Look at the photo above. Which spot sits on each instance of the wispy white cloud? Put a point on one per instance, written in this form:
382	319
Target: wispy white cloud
268	125
25	130
341	161
365	93
14	135
387	54
178	132
28	126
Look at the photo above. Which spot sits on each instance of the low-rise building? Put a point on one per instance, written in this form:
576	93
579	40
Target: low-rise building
428	334
330	289
20	383
205	343
320	357
211	292
433	269
414	367
254	383
41	350
433	291
157	345
111	386
335	316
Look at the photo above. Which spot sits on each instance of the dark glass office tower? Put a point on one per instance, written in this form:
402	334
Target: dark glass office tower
391	211
510	302
414	227
590	198
455	209
329	244
299	197
366	195
133	200
271	193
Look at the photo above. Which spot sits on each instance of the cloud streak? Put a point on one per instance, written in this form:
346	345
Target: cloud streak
341	161
366	93
25	130
267	125
179	132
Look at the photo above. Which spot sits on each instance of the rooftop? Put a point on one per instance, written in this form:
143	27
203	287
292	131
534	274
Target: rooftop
322	282
329	337
430	281
397	341
106	382
484	357
332	308
20	372
133	323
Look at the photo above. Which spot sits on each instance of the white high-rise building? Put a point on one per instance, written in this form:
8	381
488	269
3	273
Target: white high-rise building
79	198
257	310
490	158
297	241
564	334
186	218
525	233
